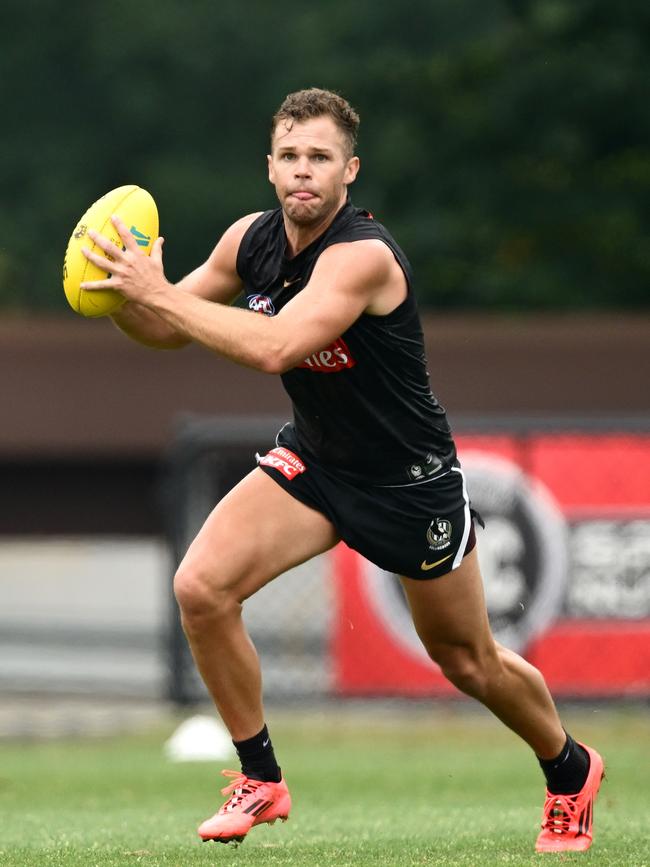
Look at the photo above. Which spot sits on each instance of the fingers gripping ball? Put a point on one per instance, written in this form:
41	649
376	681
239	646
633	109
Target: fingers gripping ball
137	209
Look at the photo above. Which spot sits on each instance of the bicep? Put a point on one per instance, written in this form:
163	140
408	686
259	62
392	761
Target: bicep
345	282
217	278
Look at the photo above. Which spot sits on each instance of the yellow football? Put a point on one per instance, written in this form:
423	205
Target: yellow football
137	209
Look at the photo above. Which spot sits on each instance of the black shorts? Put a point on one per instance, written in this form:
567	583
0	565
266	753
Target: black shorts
419	530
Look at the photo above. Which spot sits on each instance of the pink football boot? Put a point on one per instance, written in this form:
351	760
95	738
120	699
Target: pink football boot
251	802
567	822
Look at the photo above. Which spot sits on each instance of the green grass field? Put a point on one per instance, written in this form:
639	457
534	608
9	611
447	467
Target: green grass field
408	788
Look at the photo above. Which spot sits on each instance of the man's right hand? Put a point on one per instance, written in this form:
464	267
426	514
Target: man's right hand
215	280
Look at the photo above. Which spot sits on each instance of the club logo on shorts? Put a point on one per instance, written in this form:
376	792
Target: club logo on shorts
285	461
439	534
261	304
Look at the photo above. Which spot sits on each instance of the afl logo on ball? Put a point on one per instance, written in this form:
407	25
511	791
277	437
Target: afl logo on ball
261	304
439	534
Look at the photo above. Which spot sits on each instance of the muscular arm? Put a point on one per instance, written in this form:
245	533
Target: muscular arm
348	280
214	280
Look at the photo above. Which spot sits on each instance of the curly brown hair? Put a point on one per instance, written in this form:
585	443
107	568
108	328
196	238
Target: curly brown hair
314	102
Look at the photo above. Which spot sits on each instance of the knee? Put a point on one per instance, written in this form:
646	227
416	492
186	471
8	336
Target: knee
471	669
201	594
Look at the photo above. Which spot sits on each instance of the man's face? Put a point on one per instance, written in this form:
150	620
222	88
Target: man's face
310	169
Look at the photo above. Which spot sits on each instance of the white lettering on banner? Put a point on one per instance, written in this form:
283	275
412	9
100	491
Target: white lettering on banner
610	569
285	461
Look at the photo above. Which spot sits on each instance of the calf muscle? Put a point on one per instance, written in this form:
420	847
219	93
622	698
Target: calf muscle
450	617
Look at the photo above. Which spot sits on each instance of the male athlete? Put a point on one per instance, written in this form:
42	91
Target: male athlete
369	457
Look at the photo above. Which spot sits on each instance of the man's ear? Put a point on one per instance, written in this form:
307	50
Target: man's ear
351	170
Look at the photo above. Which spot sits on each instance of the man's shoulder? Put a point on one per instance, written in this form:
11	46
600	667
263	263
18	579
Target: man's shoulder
358	224
258	223
363	245
257	236
365	234
369	250
243	224
236	231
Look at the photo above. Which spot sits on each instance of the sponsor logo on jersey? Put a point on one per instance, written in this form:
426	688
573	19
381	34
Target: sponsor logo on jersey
332	359
426	566
439	534
285	461
261	304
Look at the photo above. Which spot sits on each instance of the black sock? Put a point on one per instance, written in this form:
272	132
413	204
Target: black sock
258	759
566	774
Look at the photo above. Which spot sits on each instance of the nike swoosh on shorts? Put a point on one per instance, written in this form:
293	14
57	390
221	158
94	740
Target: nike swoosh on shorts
426	566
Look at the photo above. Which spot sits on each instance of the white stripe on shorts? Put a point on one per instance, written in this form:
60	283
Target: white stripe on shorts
468	521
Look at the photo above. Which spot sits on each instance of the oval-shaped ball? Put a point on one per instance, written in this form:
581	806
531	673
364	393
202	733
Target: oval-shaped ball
137	209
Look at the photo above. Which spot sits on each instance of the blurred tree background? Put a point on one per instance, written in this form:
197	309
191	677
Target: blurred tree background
505	144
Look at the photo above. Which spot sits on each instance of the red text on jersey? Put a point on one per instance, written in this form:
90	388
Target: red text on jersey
333	358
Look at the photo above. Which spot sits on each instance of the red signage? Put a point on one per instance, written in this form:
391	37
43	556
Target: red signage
565	557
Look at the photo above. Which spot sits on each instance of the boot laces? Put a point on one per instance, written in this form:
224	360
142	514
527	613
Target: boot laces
558	813
239	789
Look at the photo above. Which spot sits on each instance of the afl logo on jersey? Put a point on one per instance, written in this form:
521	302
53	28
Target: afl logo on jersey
261	304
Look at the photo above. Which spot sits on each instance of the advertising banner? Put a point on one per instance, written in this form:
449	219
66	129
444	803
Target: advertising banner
565	557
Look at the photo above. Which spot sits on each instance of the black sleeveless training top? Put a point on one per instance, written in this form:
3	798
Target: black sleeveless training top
363	406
